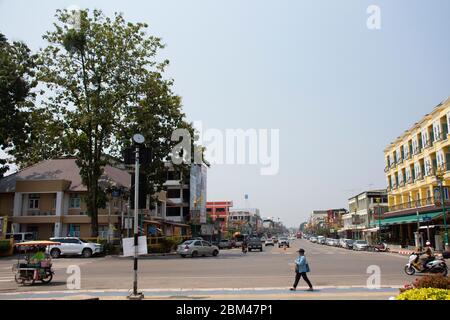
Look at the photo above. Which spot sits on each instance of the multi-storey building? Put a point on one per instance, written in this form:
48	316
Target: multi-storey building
362	210
247	220
415	162
219	211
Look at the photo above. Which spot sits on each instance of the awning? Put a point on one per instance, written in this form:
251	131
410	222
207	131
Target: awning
153	222
371	230
406	219
177	224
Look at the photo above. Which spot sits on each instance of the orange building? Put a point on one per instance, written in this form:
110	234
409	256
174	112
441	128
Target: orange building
219	210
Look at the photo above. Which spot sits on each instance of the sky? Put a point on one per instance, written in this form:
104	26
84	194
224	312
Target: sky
338	91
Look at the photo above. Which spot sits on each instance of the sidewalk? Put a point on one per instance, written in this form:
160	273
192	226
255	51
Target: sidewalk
280	293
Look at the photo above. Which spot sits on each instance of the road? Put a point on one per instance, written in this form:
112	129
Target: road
268	273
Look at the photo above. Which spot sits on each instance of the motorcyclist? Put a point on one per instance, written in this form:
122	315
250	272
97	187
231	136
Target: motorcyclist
244	245
425	256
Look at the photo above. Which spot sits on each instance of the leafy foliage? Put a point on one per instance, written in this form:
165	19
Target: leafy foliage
16	96
105	85
425	294
437	281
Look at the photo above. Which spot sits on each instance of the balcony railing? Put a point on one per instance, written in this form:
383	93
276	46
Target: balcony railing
407	156
386	169
401	184
428	144
38	213
413	204
400	160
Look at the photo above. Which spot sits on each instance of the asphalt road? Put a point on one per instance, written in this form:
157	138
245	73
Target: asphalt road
331	267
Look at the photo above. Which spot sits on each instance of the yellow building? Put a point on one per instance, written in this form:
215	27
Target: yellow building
414	163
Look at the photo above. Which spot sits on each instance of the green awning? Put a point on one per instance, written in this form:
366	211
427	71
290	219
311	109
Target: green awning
406	219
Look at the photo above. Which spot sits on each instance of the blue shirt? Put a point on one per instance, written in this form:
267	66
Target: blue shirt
301	264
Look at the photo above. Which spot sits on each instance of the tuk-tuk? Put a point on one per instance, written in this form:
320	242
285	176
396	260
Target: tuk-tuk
33	267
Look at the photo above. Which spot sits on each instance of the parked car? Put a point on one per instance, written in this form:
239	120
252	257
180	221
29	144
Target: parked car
283	241
313	239
269	242
342	242
20	236
225	244
329	241
321	240
275	239
73	246
254	243
360	245
348	244
195	248
263	239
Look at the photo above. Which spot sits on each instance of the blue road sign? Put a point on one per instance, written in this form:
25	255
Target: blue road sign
426	219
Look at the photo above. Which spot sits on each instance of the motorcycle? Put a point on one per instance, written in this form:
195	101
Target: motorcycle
437	265
244	248
382	247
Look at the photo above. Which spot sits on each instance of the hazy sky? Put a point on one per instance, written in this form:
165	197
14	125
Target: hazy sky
338	92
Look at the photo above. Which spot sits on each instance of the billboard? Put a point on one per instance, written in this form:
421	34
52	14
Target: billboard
198	194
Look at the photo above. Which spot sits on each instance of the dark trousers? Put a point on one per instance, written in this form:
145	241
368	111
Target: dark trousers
304	276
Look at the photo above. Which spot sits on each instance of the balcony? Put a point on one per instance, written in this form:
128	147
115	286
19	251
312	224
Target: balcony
32	213
407	156
387	168
428	144
401	184
410	180
413	204
400	161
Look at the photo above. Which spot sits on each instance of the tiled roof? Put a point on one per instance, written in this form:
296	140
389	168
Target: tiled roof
63	169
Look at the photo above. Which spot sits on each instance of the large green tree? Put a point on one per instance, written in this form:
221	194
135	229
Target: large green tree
16	96
103	84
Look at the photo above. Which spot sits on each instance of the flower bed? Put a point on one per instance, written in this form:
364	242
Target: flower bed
425	294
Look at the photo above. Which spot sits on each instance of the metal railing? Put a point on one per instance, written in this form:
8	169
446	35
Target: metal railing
413	204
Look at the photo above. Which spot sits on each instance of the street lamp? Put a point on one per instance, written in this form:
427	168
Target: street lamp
440	178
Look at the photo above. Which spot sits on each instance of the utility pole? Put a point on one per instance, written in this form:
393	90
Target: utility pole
138	139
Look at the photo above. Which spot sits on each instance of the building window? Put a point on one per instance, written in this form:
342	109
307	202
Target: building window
173	211
33	201
74	230
75	201
174	193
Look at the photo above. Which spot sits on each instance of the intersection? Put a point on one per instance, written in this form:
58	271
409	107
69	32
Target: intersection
336	273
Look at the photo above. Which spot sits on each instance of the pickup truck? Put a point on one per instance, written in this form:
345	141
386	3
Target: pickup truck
254	244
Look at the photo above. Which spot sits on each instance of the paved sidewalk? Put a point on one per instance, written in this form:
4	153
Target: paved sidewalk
280	293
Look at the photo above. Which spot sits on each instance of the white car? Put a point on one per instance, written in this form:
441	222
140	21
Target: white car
269	242
313	239
360	245
73	246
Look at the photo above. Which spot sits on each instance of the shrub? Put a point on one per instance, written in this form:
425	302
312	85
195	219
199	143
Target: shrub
5	246
425	294
436	281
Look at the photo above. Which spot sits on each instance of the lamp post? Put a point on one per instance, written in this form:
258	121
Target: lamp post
379	218
439	177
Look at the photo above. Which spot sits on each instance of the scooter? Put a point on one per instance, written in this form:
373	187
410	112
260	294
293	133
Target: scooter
381	247
437	265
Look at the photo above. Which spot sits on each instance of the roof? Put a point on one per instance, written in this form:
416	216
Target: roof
64	169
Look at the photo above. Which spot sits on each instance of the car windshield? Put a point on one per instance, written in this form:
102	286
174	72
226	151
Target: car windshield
223	240
85	241
188	242
283	238
360	242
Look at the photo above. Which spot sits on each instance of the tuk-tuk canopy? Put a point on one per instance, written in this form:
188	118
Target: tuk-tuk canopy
38	243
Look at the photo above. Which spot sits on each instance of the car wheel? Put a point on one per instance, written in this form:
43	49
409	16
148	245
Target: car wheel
55	253
260	249
183	255
194	254
215	253
87	253
48	279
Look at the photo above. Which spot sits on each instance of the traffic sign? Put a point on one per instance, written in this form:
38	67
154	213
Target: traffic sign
426	219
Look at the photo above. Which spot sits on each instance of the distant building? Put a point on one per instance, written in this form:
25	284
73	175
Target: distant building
362	210
247	220
219	211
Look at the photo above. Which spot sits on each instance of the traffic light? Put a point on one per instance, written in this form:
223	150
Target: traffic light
142	192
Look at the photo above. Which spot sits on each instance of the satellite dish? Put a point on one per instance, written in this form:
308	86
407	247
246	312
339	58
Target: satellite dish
138	138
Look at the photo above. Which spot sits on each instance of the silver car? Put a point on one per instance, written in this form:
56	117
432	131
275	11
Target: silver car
360	245
195	248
